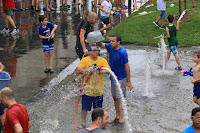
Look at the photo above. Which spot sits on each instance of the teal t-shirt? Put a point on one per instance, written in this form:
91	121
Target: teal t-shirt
189	130
172	40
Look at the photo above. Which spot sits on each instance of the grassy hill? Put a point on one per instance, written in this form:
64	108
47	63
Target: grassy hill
139	29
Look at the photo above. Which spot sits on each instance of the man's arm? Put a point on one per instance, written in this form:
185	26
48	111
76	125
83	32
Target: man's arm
100	44
2	118
84	71
128	83
1	67
18	128
82	40
29	124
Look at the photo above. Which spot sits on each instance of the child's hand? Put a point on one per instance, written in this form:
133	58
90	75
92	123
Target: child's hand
193	81
178	22
107	12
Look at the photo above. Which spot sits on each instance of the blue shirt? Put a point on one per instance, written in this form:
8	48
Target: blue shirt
118	58
189	130
46	32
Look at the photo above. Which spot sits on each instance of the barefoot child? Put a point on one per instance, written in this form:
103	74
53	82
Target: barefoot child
173	42
196	78
46	33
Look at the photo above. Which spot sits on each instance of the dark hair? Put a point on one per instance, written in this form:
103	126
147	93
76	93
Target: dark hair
98	112
41	18
118	37
195	110
197	53
170	18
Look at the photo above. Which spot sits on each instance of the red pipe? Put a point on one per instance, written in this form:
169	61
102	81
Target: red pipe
90	74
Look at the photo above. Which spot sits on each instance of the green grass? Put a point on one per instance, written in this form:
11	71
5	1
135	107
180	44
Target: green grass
140	30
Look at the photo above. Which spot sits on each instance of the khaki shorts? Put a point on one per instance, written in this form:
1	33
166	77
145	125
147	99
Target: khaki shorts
115	91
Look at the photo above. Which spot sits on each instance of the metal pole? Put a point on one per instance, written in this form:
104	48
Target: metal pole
129	4
179	7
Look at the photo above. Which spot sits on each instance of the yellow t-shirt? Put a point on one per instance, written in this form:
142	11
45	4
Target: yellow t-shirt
94	86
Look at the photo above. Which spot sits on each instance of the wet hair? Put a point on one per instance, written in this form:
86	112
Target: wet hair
41	18
118	37
197	53
195	111
170	18
7	92
98	112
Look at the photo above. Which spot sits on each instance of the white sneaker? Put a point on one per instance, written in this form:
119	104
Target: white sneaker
5	31
15	31
15	36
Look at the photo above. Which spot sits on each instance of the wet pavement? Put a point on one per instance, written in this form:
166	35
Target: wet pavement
22	54
165	107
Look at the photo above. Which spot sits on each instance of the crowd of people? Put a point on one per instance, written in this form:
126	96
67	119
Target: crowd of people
89	70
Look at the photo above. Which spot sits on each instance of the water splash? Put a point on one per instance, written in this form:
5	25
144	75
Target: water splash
163	48
163	51
147	92
128	125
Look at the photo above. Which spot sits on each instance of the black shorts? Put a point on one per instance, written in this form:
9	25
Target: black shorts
79	52
105	21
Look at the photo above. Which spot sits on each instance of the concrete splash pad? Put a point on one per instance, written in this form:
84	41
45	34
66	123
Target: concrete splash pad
168	110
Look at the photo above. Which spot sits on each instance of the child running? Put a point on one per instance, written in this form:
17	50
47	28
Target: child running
46	33
161	6
196	78
105	8
173	42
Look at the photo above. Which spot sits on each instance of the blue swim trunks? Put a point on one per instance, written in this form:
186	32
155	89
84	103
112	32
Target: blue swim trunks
89	101
173	49
48	48
196	90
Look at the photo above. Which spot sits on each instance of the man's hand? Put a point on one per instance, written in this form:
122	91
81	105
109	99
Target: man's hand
129	85
85	51
90	69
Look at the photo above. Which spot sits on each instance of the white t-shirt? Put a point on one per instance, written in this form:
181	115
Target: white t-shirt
161	5
107	6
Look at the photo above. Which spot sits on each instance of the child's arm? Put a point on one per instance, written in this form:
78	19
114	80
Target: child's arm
100	8
195	80
177	27
44	37
54	28
167	31
1	67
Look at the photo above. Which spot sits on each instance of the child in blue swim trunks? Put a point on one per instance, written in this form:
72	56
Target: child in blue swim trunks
196	78
46	33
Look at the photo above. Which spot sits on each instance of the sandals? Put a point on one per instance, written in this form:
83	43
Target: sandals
114	122
178	68
120	124
80	127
